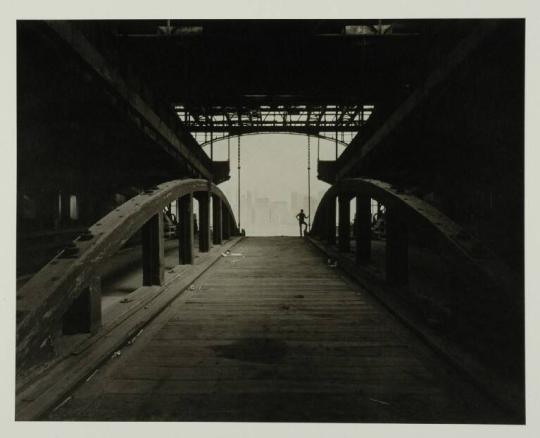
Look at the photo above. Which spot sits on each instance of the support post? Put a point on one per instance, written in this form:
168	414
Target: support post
204	221
65	209
217	220
84	315
331	222
153	251
321	224
226	222
397	257
344	228
185	230
363	229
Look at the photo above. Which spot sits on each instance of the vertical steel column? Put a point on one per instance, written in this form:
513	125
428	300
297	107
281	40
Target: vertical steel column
331	222
397	257
363	229
186	232
344	222
204	221
217	220
153	252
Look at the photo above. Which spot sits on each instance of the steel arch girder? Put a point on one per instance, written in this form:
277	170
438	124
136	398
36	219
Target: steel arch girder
49	293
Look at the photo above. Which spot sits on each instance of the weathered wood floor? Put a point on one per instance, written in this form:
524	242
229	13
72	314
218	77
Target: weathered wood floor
276	335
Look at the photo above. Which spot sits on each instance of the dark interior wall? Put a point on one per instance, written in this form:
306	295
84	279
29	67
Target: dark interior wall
71	141
464	150
70	138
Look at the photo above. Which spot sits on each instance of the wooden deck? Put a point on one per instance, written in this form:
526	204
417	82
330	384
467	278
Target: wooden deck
272	333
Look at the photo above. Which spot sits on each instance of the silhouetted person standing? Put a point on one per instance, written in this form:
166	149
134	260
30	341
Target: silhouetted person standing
302	221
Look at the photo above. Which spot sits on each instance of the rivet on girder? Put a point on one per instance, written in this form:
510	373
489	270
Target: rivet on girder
86	235
70	251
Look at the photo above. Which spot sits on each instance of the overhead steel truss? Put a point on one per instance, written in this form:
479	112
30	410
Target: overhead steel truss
298	118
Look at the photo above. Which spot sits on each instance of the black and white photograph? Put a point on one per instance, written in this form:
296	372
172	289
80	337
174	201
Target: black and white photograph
259	218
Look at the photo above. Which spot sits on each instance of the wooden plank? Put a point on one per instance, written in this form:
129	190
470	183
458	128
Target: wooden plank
504	394
285	406
260	386
33	400
217	354
256	371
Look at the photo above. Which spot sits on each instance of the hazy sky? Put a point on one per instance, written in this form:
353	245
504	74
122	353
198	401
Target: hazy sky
273	166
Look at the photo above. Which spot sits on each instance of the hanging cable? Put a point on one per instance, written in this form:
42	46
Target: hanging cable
336	145
211	144
318	148
239	184
309	180
229	148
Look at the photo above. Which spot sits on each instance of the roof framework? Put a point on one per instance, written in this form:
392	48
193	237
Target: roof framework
305	118
321	78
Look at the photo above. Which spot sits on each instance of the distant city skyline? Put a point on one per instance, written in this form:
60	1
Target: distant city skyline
268	207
